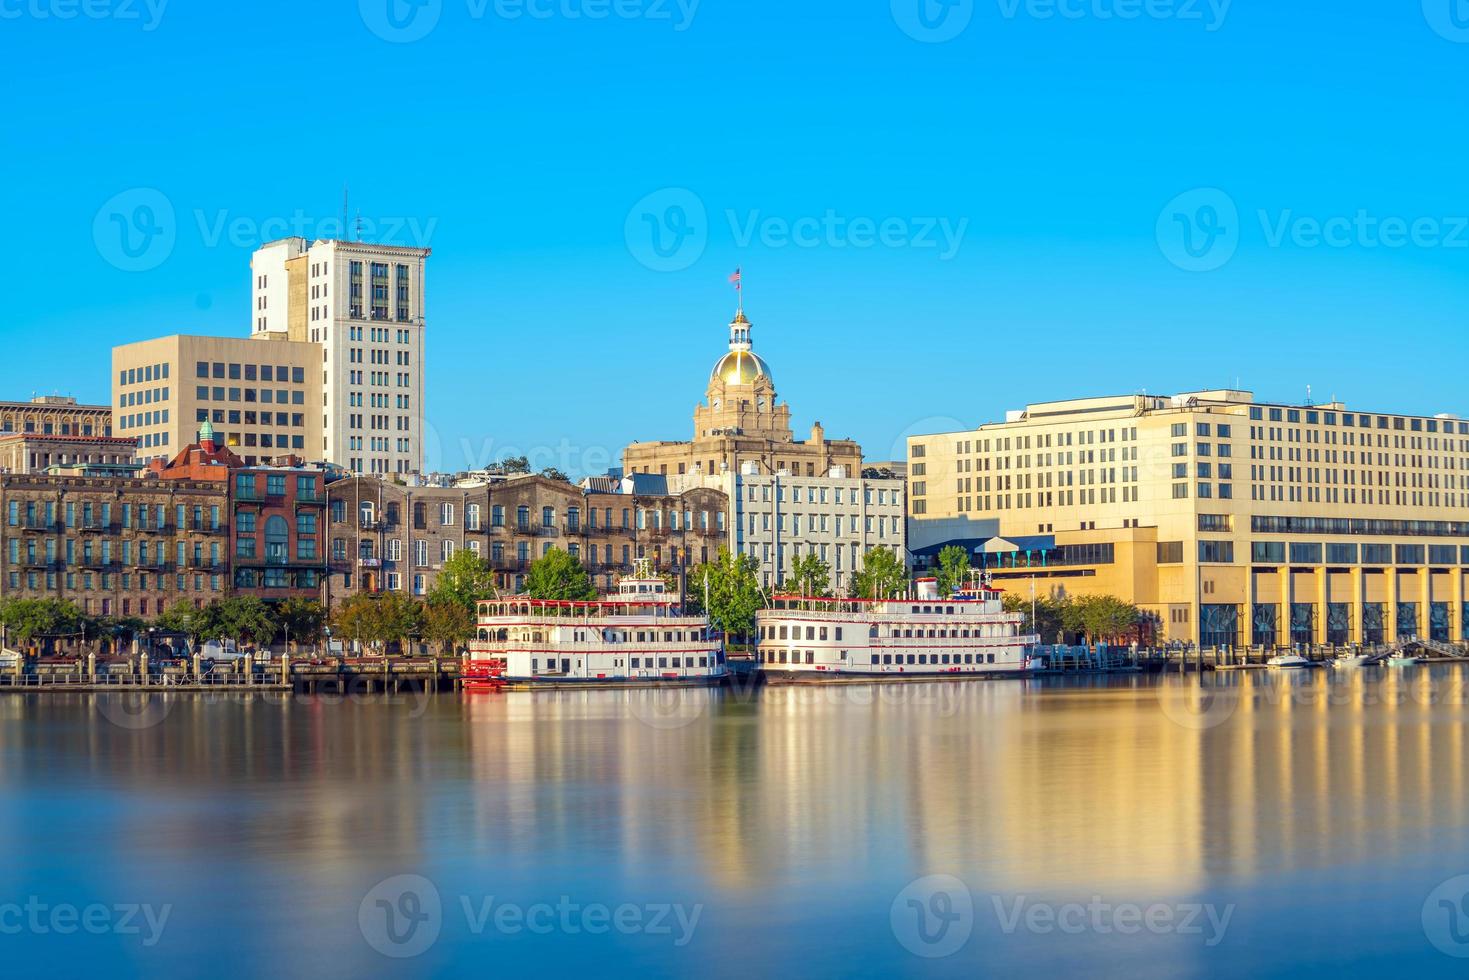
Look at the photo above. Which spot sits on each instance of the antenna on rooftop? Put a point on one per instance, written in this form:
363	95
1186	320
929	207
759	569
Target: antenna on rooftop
358	233
1308	395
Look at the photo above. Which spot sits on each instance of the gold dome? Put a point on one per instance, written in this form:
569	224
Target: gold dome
739	367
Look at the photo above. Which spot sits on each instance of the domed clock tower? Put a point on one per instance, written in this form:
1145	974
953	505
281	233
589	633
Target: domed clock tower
742	422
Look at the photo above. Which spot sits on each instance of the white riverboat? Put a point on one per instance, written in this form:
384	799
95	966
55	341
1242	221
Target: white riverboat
638	636
966	635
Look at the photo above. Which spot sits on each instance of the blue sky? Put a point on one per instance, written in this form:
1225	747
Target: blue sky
537	147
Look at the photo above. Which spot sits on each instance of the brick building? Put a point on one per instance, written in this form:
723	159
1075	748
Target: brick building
112	546
386	536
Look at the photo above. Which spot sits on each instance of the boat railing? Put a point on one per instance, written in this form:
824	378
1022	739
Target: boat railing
631	647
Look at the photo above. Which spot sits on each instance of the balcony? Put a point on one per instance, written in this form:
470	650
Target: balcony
250	495
96	527
52	528
368	524
547	531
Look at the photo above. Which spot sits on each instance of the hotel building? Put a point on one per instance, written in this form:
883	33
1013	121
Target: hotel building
1234	522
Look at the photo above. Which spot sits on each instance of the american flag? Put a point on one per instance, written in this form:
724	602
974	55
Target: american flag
736	280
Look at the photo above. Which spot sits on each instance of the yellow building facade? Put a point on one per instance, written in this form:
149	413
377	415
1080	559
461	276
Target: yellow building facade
1233	522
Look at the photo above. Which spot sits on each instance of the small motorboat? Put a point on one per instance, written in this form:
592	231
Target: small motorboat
1289	661
1353	661
1405	661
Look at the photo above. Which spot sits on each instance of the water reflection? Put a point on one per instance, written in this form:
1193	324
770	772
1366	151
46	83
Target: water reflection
782	810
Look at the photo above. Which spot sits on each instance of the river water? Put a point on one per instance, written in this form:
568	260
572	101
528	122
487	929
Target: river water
1255	823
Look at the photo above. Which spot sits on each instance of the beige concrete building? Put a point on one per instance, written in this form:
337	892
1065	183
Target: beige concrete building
263	396
780	517
364	304
742	421
1235	522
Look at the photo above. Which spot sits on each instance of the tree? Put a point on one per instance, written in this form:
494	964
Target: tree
302	618
374	621
882	576
447	623
559	575
552	473
810	576
465	579
361	618
953	570
1050	613
733	590
246	618
515	464
179	617
1099	617
27	619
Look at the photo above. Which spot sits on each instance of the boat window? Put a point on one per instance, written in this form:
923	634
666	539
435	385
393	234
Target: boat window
911	659
949	610
823	632
872	632
992	658
810	656
839	634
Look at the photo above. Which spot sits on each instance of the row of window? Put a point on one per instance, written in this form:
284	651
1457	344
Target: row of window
248	372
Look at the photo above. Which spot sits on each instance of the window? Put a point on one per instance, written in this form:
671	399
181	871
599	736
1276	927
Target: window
1170	552
1216	551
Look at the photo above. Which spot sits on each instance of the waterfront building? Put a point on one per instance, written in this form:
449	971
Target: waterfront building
276	517
363	304
1232	521
114	546
779	517
387	536
742	421
263	398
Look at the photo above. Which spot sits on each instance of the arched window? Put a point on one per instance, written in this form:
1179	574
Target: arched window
277	540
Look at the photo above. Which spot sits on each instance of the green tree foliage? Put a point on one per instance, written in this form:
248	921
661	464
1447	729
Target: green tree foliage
1049	621
374	621
447	624
552	473
515	464
246	618
953	570
179	617
882	576
465	579
733	590
558	575
27	619
301	619
810	576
